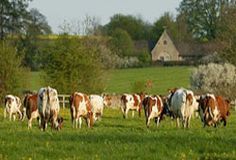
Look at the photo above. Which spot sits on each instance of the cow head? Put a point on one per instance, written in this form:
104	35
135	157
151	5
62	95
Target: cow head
60	122
107	100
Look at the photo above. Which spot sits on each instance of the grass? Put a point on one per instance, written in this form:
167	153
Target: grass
118	138
121	80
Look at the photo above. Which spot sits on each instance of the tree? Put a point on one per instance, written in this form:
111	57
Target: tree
219	79
38	24
202	17
227	34
165	21
73	64
13	77
13	17
135	27
121	43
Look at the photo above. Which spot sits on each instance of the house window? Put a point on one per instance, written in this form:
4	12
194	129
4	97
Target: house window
165	42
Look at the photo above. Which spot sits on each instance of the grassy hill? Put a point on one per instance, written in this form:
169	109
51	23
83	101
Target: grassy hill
122	80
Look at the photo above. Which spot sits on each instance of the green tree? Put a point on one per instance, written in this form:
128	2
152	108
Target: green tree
135	27
73	64
227	34
13	17
202	17
13	77
165	21
121	43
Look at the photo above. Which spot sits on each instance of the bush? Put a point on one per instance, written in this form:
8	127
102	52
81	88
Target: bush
74	65
13	77
219	79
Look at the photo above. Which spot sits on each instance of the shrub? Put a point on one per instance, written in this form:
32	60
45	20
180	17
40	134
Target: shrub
13	77
74	65
219	79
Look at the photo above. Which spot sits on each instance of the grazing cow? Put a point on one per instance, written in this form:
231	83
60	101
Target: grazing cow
153	108
97	103
112	101
131	102
13	107
181	105
213	109
80	106
30	103
48	108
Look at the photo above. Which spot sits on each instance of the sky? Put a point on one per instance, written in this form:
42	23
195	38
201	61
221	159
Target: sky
57	11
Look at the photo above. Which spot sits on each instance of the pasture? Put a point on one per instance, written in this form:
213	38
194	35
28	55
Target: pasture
116	138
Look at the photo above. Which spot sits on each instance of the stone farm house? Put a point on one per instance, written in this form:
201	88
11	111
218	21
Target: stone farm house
168	50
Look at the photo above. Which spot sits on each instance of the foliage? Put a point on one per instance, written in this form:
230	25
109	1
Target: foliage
13	16
215	78
227	34
74	65
121	43
202	17
165	21
134	26
13	77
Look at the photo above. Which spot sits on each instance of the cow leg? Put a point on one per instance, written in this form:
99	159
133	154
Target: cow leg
139	110
30	123
158	121
14	117
10	115
177	122
132	113
80	122
126	113
20	114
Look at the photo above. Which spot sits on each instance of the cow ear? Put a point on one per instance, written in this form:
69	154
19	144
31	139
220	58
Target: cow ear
227	101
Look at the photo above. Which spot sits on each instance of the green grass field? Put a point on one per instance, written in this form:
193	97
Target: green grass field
120	81
118	138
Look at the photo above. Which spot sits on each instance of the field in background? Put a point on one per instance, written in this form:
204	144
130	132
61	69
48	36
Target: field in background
118	138
121	80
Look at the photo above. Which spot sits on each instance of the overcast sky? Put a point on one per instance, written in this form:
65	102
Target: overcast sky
57	11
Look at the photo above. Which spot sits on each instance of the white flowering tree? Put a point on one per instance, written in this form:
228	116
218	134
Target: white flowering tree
219	79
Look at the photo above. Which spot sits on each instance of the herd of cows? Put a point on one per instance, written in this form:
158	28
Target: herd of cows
179	104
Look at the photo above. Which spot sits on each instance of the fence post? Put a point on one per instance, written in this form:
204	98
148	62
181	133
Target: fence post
63	101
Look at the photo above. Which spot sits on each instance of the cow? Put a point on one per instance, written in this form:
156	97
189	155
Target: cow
31	105
213	109
13	107
80	107
97	103
153	108
112	101
131	102
181	106
48	108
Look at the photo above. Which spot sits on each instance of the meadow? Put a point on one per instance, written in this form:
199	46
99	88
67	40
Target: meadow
116	138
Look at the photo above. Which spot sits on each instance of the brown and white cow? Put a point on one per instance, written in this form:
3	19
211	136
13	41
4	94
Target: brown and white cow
213	109
112	101
153	108
181	105
13	107
80	107
48	108
131	102
31	105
